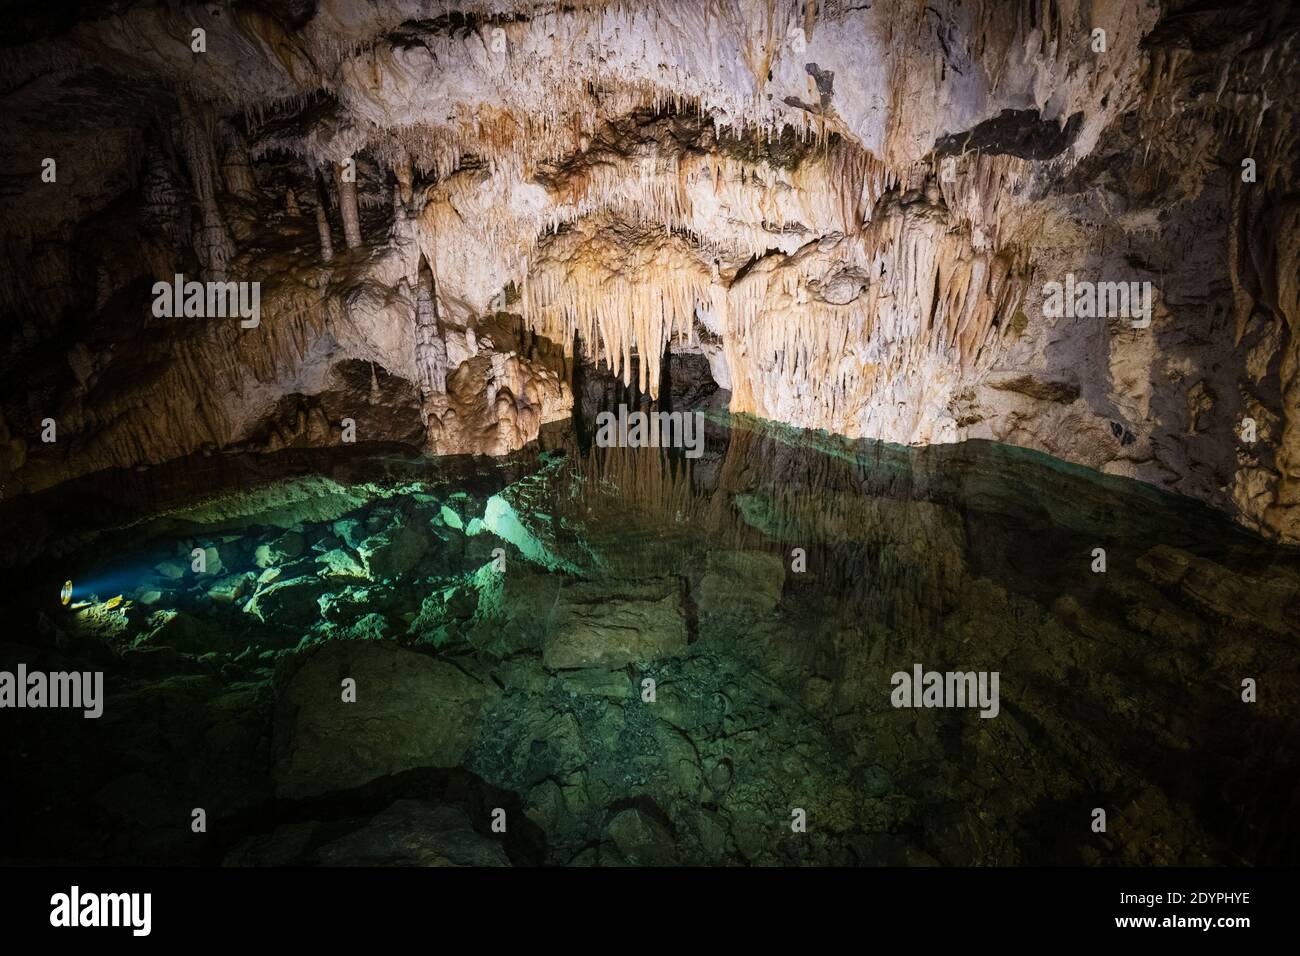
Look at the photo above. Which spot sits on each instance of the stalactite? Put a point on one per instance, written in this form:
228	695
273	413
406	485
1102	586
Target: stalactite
848	285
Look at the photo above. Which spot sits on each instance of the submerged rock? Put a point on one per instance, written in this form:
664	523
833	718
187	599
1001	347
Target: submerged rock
598	682
171	569
212	564
393	552
350	531
414	833
512	516
459	510
1271	602
411	710
179	630
292	601
594	628
742	584
369	627
286	845
285	548
232	587
339	564
640	840
442	610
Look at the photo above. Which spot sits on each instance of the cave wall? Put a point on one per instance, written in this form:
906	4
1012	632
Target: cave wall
851	210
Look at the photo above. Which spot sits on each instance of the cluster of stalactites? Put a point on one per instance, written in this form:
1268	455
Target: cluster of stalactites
622	291
839	315
1249	108
832	189
734	209
521	142
838	321
981	195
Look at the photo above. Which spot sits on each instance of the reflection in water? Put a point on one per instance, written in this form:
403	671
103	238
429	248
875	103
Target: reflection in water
648	659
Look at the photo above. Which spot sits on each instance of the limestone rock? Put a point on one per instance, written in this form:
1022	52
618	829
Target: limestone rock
172	569
350	531
459	510
286	845
368	627
1271	602
742	584
850	255
597	682
212	562
179	630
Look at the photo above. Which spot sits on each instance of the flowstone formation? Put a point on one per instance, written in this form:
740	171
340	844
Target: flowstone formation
851	210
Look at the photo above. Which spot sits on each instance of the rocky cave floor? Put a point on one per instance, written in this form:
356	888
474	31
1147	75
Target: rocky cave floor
500	620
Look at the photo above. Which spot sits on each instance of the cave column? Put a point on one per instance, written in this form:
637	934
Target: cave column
430	348
322	220
236	167
348	206
1283	515
214	245
405	179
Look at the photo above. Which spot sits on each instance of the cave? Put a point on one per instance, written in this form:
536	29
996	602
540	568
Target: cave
766	433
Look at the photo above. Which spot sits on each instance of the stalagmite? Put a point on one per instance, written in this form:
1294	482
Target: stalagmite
430	348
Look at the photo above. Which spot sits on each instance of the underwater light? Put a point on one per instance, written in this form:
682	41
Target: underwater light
65	595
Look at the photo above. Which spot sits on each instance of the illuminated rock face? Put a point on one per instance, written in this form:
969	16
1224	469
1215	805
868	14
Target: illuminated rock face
852	211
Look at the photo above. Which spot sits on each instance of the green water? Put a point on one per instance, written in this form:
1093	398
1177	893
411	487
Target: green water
626	657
